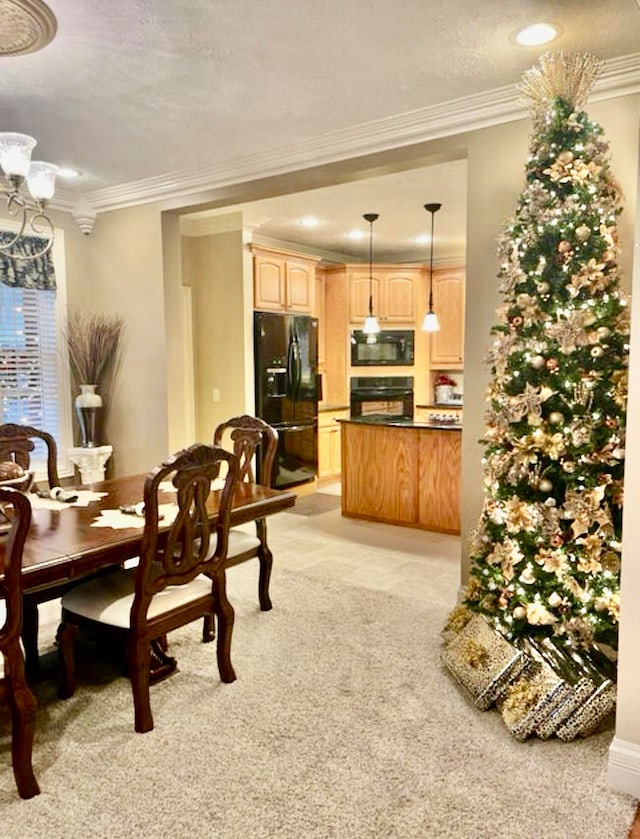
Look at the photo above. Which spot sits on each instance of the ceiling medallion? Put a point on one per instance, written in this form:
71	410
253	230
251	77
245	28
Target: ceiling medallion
25	26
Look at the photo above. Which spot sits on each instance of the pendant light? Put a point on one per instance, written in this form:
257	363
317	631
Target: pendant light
430	322
371	326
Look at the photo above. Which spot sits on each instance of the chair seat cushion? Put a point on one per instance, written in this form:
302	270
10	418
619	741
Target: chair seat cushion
241	541
109	599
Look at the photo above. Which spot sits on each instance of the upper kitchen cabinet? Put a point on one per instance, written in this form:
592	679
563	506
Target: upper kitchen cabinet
447	345
394	293
283	281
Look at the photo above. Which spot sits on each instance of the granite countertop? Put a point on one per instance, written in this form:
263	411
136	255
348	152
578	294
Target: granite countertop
400	422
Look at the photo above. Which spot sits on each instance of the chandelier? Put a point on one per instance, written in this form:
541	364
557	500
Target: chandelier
27	206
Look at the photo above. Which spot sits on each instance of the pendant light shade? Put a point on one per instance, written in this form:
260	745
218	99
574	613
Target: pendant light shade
371	326
430	322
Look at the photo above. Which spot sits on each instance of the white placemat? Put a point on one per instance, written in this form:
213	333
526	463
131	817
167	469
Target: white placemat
85	497
123	521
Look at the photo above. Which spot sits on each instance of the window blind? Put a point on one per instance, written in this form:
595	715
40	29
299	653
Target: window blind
29	389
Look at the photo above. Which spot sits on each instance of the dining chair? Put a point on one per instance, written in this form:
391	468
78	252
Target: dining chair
180	576
251	437
13	686
17	443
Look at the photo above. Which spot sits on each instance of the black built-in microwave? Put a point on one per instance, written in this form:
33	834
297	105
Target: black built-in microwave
389	347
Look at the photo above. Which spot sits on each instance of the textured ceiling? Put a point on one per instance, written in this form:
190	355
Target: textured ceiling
134	89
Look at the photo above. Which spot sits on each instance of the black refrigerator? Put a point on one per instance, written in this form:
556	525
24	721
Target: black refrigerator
286	382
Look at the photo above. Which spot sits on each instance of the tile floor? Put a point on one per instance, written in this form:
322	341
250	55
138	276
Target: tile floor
316	539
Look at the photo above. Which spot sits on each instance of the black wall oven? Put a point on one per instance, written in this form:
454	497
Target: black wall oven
390	347
388	396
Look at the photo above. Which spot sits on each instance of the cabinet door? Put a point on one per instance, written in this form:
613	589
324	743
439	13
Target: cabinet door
330	445
400	298
300	287
269	274
447	345
329	451
359	297
380	476
439	466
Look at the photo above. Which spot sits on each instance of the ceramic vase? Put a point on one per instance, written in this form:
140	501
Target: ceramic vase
88	405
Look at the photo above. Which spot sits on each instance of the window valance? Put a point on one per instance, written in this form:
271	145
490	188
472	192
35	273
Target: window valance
36	272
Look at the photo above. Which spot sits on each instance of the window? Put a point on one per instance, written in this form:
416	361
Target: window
34	377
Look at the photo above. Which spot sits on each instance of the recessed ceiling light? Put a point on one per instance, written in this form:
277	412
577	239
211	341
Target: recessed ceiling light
357	234
67	172
537	34
309	221
422	239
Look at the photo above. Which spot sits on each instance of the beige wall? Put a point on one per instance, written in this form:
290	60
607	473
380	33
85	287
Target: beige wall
627	738
214	267
118	270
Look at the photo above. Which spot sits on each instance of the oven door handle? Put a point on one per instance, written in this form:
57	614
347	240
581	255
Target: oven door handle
294	428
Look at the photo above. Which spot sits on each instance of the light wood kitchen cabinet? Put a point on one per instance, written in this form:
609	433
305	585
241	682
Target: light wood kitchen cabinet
329	444
447	345
394	294
283	281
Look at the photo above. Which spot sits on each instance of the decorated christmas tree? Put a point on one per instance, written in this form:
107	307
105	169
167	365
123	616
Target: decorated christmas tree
546	553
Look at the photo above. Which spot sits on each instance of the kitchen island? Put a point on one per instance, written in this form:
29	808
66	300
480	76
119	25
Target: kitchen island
402	471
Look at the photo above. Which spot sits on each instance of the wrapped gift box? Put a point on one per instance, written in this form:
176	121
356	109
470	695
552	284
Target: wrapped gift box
533	698
591	714
590	675
483	661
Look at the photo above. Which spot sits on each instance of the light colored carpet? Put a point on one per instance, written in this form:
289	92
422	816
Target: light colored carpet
342	723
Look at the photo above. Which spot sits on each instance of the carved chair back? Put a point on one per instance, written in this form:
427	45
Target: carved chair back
17	444
250	435
189	548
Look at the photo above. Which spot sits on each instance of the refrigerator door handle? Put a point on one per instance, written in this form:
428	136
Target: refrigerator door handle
297	370
290	364
293	365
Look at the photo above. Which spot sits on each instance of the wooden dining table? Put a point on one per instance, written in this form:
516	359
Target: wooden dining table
64	545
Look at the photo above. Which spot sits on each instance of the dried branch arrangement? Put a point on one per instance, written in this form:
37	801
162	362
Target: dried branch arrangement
94	343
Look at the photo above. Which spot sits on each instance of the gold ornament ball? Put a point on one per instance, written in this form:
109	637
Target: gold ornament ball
551	363
519	612
537	362
543	287
564	246
555	417
582	233
603	332
597	352
545	485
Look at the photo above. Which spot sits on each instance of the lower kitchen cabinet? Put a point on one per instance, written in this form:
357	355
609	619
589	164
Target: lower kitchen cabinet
329	444
407	475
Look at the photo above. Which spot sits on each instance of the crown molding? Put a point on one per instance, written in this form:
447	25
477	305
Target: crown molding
620	77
